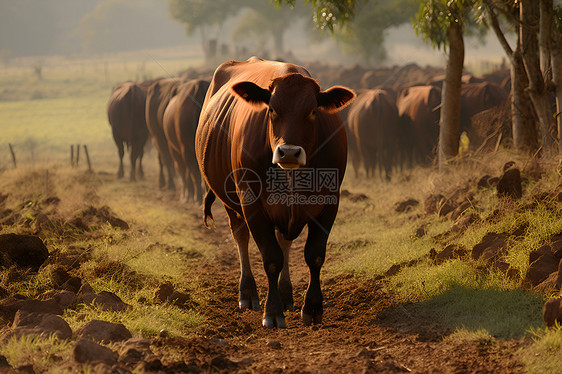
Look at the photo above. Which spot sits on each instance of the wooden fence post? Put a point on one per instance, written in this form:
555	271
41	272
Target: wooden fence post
87	157
77	154
13	154
72	155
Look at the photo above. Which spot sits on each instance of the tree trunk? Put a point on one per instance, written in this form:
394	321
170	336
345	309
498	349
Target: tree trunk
451	98
557	78
523	116
529	14
556	57
522	111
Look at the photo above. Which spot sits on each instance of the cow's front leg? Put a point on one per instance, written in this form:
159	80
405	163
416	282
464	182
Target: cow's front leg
285	285
248	297
263	233
314	254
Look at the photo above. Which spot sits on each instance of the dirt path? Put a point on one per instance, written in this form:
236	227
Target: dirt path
364	330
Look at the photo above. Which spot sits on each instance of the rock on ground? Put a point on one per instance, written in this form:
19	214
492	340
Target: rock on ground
87	351
104	332
24	250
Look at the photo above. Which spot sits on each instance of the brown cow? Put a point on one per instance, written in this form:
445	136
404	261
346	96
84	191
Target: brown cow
180	124
158	96
275	157
373	121
418	110
125	112
477	97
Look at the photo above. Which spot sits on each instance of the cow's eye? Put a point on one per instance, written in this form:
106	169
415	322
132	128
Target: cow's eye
312	115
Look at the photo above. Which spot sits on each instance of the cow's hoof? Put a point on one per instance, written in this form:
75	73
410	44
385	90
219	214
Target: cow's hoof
308	319
271	322
253	304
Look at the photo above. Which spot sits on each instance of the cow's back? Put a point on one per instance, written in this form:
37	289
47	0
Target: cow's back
126	112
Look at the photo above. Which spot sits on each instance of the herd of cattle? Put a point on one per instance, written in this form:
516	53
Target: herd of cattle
392	125
272	146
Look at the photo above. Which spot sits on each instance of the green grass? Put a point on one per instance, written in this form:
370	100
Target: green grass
42	353
545	354
48	127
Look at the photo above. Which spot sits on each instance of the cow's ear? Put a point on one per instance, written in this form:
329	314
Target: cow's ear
335	98
252	93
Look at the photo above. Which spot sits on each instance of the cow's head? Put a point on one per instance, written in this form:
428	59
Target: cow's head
293	102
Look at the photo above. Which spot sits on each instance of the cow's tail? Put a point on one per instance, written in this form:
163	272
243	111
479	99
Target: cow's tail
209	200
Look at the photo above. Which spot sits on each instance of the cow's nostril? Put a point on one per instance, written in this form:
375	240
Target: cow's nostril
281	153
298	153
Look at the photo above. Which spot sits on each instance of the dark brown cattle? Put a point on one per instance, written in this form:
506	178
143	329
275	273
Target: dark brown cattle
273	149
180	124
126	115
158	96
477	97
418	110
373	121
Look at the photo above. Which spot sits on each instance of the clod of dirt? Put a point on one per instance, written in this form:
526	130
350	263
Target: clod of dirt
420	231
222	362
73	284
134	350
553	282
104	300
543	262
464	221
39	324
10	306
490	248
85	288
484	182
405	205
65	299
58	276
180	299
354	197
450	252
163	293
552	312
150	364
24	250
86	351
104	332
509	184
437	203
92	216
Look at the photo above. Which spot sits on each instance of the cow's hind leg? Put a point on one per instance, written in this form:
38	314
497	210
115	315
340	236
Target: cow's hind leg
314	254
121	153
248	297
285	286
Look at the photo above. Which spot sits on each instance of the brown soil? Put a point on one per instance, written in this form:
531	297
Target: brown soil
365	330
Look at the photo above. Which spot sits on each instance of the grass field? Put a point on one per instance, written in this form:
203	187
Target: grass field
43	117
